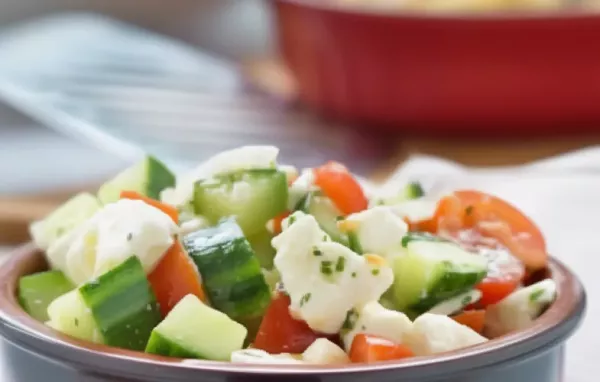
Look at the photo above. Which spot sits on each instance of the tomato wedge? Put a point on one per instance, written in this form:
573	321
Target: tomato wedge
174	277
474	319
492	218
279	332
167	209
341	187
367	348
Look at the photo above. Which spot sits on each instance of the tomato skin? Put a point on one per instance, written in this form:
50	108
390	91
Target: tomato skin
340	186
174	277
278	220
474	319
494	291
367	348
279	332
493	218
167	209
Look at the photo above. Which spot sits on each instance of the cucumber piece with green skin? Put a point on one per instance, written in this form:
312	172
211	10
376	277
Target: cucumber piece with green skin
230	271
123	305
325	213
37	291
70	315
252	196
410	191
195	330
261	245
148	177
65	218
433	271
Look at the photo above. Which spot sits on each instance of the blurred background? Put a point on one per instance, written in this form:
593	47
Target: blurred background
87	86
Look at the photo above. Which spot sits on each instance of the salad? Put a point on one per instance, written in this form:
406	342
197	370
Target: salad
249	261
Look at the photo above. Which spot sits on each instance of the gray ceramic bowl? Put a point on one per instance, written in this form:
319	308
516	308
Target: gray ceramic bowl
532	355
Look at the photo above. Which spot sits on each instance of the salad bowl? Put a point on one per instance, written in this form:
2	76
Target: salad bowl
248	270
532	355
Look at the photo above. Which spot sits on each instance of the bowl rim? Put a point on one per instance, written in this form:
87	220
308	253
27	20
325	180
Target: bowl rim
553	327
335	6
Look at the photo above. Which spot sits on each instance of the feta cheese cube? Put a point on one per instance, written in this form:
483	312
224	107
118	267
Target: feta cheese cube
325	280
434	333
324	352
378	321
519	309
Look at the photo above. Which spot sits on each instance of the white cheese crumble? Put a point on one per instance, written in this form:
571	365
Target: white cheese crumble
325	280
378	321
434	333
378	230
519	309
324	352
115	233
242	158
300	187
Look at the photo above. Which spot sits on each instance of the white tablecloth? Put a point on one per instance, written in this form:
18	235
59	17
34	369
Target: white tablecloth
562	195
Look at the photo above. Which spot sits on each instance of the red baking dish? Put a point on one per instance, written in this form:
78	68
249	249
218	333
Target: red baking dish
513	73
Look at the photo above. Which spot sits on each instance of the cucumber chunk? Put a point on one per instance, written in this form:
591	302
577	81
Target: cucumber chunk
261	245
195	330
70	315
65	218
252	196
148	177
432	271
325	213
37	291
230	271
123	305
410	191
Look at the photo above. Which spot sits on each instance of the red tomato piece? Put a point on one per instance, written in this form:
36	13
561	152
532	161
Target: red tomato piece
474	319
279	332
492	218
277	220
167	209
174	277
341	187
367	348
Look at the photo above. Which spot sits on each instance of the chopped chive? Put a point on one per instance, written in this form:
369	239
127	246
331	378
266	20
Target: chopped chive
291	220
76	321
340	264
305	299
350	321
317	252
375	271
129	236
353	274
339	218
326	267
325	238
466	300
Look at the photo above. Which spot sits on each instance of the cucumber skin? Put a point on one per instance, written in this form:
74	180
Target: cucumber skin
212	198
155	177
37	291
162	178
445	281
158	344
125	318
230	271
